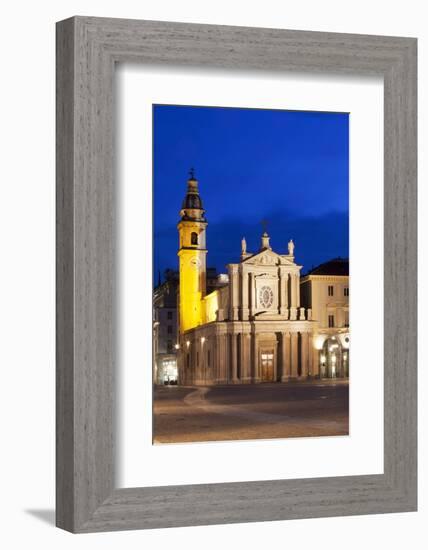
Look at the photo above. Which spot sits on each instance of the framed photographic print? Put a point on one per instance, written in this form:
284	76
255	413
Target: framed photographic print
236	274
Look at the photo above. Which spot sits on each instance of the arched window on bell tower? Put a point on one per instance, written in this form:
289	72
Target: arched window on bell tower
194	238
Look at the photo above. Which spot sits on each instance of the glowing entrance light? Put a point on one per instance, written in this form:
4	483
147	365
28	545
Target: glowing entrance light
318	342
169	372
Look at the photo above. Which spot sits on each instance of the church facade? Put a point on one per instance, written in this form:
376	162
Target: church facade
254	329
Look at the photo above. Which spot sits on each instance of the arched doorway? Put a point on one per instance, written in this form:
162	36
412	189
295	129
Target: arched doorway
334	359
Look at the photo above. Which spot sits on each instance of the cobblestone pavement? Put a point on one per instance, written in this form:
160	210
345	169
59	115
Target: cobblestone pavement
259	411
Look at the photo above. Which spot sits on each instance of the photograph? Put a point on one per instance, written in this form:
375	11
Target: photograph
251	332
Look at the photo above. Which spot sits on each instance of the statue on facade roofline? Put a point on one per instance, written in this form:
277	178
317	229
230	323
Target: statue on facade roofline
291	247
243	246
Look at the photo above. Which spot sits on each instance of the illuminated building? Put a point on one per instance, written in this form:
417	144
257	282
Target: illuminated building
325	289
165	341
165	323
253	329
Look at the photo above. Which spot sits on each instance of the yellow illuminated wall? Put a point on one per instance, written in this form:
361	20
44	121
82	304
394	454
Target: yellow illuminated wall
211	303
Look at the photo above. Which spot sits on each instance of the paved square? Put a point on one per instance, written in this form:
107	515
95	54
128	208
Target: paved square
253	411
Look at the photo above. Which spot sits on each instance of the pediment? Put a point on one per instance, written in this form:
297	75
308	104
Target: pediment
267	257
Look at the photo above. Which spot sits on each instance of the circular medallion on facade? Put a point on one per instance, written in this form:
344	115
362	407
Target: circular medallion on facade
265	297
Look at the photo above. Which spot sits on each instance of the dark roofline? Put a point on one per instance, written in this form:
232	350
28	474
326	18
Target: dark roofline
336	266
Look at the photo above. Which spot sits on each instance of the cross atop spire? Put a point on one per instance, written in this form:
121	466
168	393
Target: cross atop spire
265	236
191	208
264	224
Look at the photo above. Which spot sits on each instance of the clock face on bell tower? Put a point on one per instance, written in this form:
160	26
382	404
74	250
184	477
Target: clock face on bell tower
195	262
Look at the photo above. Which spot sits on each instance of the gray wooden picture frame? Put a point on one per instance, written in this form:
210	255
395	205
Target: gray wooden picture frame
87	50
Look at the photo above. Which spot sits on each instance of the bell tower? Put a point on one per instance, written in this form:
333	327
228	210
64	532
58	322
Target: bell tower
192	256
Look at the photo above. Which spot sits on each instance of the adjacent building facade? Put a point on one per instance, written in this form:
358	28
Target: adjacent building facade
325	290
165	330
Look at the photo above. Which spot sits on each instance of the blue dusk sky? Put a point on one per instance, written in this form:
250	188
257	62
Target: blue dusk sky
290	168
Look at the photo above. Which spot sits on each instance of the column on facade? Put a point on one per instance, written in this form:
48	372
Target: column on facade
255	358
294	342
285	357
244	296
195	353
203	359
293	298
234	292
315	361
297	291
245	366
234	358
304	354
283	291
198	360
251	294
215	351
276	364
310	355
192	361
208	366
223	362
